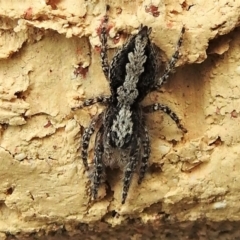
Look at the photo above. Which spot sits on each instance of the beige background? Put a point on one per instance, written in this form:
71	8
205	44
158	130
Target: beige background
50	61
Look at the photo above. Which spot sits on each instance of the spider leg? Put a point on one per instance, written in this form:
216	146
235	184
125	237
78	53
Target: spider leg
108	152
171	63
130	168
157	106
98	164
103	53
146	154
91	101
86	139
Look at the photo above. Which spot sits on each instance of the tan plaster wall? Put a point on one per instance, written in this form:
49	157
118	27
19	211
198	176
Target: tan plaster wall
192	178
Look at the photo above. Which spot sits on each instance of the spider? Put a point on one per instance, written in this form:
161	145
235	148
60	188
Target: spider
122	138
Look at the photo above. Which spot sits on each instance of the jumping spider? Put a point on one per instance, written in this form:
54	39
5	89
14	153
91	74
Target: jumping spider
132	74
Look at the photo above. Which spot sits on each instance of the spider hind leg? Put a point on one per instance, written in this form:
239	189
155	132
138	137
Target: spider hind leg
88	132
146	154
98	163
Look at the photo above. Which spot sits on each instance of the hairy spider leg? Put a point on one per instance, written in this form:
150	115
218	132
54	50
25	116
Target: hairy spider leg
107	153
130	168
91	101
157	106
88	132
171	63
146	154
103	53
98	163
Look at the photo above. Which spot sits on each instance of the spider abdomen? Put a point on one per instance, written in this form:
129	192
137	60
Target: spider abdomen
134	68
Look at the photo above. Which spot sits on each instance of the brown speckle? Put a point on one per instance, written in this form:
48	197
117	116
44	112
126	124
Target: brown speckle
48	124
234	114
119	10
9	191
28	13
80	70
153	10
53	3
117	38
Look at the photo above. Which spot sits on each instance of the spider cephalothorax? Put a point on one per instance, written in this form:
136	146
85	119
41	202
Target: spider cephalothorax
132	74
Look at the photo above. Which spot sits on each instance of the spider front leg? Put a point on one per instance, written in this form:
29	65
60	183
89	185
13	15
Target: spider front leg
98	164
130	168
157	106
146	154
91	101
103	53
171	63
86	139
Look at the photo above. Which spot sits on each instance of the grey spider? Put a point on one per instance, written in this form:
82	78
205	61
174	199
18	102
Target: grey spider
132	74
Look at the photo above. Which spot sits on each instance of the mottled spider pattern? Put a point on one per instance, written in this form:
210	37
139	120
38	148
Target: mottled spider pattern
132	74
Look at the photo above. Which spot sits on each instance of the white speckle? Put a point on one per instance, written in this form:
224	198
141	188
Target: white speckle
20	156
70	125
219	205
164	149
238	70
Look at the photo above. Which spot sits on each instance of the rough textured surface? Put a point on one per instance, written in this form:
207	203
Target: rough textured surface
50	60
